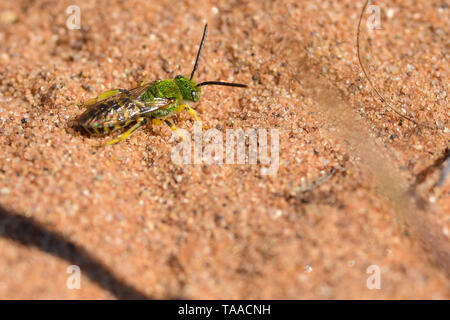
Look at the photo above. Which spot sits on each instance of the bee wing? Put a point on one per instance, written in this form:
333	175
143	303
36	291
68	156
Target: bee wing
117	94
154	104
119	107
124	110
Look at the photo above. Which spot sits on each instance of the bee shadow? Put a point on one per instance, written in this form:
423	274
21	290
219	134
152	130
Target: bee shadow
28	232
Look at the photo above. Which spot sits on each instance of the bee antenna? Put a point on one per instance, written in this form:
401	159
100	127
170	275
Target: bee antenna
219	83
205	30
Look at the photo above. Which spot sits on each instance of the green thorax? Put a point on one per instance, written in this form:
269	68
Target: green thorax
180	88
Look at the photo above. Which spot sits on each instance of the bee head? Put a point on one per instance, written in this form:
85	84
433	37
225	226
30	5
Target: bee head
190	90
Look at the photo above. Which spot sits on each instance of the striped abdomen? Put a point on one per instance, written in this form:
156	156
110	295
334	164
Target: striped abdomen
108	116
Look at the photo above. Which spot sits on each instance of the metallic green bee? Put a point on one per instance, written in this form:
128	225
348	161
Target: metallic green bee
121	108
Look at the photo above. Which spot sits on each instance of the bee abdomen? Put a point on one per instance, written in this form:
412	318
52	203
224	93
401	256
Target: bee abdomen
106	118
102	129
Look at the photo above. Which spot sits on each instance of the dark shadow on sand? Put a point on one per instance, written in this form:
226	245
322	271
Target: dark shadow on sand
28	232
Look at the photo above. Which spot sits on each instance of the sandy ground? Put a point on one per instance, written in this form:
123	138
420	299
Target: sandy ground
357	185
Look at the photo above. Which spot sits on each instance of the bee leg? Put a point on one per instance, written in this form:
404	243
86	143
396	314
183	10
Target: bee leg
174	128
139	122
191	112
157	122
181	107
